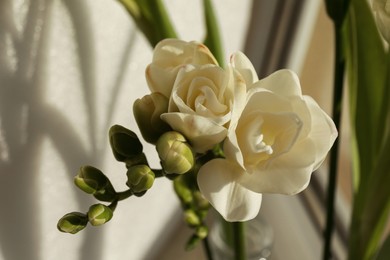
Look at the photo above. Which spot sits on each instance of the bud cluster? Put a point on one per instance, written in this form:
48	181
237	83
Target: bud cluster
195	207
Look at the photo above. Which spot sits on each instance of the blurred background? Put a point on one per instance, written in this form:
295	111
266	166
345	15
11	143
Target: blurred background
70	69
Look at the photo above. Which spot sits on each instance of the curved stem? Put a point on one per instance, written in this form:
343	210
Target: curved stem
124	194
337	105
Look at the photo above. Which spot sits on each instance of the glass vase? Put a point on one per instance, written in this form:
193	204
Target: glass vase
259	238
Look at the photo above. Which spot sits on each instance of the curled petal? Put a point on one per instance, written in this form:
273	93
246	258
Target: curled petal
282	82
219	182
323	131
202	133
244	66
288	174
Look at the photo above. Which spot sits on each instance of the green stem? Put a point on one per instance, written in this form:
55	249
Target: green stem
239	240
124	194
337	105
207	248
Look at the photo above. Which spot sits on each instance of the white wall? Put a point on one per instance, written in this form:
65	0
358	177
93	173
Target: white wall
68	70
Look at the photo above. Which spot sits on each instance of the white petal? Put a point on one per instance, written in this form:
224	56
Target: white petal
288	174
161	79
244	66
202	133
218	181
323	131
282	82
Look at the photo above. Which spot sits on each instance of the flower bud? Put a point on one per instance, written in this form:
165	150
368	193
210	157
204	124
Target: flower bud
72	222
175	153
200	201
92	181
124	143
140	178
191	218
147	113
201	232
182	190
98	214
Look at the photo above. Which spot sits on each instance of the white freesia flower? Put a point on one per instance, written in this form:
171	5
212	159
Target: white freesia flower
202	103
381	10
168	57
279	139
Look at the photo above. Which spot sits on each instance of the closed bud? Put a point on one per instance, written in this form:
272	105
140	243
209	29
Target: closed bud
175	153
200	201
124	143
147	113
182	190
72	222
140	178
201	232
98	214
191	218
92	181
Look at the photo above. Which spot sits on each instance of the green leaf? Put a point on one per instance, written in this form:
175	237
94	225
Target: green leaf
151	18
367	75
369	94
213	39
384	253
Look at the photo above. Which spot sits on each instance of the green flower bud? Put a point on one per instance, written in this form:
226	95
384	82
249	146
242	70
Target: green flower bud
72	222
182	190
124	143
98	214
191	218
140	178
175	153
147	113
92	181
200	201
202	232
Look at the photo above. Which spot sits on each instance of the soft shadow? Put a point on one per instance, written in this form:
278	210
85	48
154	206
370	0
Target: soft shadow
26	120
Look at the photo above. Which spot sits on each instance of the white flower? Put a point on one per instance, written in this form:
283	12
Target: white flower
202	103
381	10
168	57
280	138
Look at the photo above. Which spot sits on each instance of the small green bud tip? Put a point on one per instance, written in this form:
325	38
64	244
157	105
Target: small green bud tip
98	214
90	180
202	232
140	178
201	202
175	153
191	218
182	191
124	143
72	222
147	112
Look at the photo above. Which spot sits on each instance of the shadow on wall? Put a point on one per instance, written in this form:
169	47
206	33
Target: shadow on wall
26	119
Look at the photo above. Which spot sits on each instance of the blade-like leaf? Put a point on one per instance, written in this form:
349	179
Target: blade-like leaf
384	253
213	39
367	67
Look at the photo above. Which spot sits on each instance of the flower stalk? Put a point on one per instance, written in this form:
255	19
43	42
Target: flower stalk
339	69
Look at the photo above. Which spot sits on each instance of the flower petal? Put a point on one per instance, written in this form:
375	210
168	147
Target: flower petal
282	82
202	133
219	182
323	131
244	66
288	174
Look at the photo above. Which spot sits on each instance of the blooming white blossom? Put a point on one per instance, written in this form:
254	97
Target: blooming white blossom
273	145
202	103
168	57
381	10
